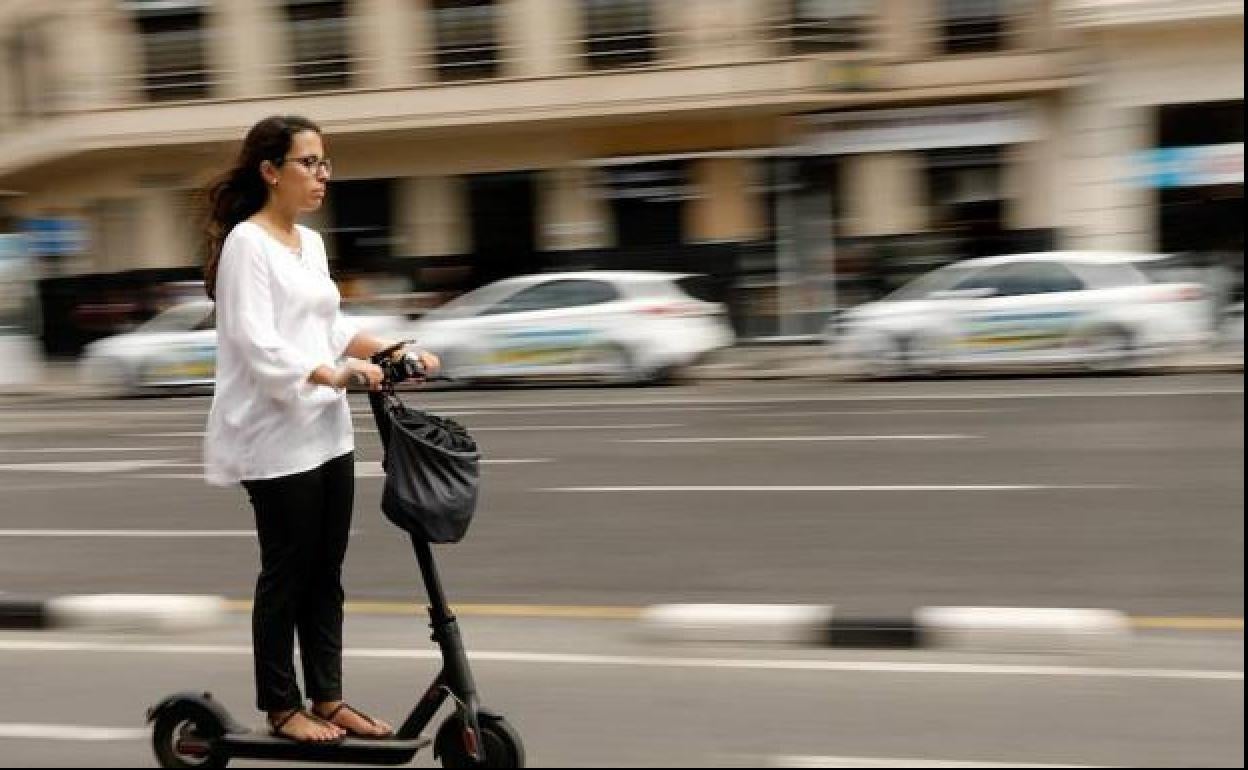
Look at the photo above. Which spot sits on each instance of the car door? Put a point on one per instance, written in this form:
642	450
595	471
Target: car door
1027	312
185	356
543	329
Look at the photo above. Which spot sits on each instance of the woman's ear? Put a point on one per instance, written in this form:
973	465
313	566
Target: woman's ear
268	172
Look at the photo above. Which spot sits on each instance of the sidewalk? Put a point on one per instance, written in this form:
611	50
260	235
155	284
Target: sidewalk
59	379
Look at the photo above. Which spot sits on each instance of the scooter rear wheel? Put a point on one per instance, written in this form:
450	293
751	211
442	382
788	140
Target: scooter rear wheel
500	743
184	735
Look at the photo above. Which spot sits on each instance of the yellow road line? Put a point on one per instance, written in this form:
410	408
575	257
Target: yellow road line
480	610
591	612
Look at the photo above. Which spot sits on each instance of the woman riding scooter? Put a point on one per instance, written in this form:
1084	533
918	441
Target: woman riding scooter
280	423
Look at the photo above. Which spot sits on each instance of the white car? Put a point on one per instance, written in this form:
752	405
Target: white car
1094	310
174	349
615	326
1232	327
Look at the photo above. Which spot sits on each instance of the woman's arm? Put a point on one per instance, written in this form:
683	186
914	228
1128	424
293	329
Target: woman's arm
364	344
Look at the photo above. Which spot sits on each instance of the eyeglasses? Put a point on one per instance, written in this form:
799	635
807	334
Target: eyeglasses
313	164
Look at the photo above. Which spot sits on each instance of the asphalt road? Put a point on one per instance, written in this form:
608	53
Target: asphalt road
1125	493
1115	492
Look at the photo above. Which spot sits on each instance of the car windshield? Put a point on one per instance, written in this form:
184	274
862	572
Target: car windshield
178	318
1101	275
929	283
472	303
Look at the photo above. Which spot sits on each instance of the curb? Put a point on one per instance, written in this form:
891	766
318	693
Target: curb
114	613
998	629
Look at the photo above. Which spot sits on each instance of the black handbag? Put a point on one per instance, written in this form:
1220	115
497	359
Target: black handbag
433	474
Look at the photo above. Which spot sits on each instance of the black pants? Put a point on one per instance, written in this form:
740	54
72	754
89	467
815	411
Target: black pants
303	522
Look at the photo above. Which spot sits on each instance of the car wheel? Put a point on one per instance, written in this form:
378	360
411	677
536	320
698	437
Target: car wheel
886	358
452	368
107	377
617	365
1107	349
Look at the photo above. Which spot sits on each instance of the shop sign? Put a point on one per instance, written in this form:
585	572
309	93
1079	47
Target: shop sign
55	236
1210	164
921	128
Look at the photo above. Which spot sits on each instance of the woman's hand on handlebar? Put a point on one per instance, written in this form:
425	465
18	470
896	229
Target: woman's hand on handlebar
429	363
356	373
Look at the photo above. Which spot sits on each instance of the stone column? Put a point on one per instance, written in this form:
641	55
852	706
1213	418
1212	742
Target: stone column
250	47
726	209
432	216
381	42
884	194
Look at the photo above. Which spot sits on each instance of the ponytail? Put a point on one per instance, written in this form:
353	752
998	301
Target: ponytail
232	198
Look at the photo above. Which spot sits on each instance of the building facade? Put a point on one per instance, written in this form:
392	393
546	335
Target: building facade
807	153
1153	142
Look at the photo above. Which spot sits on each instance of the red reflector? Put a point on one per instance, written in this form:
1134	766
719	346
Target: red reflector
470	742
1183	294
672	310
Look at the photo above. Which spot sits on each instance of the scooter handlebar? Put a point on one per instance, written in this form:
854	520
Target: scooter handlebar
398	366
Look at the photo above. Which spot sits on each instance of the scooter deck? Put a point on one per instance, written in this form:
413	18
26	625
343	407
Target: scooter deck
359	751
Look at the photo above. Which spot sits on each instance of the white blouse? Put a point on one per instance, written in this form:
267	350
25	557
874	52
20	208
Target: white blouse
278	319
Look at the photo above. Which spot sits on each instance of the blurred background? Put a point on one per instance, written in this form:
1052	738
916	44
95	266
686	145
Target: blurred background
804	155
630	190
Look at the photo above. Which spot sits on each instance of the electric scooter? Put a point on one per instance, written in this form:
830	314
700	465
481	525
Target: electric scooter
194	730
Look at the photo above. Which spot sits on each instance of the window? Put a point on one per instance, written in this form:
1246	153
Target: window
974	26
1107	276
320	42
1023	278
648	203
172	40
1188	125
1045	278
466	34
936	281
31	69
361	229
187	316
1199	212
828	26
619	33
965	186
994	278
554	295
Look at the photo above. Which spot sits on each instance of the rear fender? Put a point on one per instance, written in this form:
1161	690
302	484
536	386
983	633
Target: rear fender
203	701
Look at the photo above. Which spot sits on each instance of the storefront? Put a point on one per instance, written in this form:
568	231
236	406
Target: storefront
871	198
1153	150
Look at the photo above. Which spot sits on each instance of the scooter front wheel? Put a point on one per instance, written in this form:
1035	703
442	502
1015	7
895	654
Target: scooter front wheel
499	741
184	737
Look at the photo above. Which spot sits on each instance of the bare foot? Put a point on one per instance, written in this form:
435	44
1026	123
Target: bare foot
355	722
299	725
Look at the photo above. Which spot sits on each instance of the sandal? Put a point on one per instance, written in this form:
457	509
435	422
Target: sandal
275	728
355	733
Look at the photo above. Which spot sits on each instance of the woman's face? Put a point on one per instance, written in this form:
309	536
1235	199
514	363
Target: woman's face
299	182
